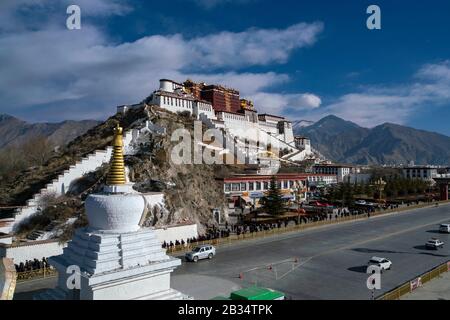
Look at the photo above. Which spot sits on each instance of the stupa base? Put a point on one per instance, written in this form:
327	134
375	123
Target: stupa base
114	266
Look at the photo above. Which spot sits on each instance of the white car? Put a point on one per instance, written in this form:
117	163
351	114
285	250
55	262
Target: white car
382	263
434	243
444	228
201	252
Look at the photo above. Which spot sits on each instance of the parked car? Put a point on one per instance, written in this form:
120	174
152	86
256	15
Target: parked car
434	243
444	228
205	251
382	263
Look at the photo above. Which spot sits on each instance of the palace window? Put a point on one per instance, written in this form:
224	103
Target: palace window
227	187
258	185
243	186
235	187
251	186
266	185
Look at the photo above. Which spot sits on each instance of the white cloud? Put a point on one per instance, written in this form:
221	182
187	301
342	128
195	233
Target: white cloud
24	15
79	70
376	105
254	46
276	103
307	100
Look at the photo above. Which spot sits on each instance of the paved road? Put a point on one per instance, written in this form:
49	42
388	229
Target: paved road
332	259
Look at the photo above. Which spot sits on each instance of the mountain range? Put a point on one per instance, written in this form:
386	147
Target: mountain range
337	139
14	131
344	141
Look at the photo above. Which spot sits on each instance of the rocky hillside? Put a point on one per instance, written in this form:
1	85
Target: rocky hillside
14	131
345	141
191	191
25	184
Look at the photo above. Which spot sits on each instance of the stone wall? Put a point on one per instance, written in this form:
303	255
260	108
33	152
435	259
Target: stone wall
48	248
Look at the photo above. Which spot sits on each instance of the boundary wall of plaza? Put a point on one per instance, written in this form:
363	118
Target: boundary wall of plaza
233	238
178	250
415	283
46	248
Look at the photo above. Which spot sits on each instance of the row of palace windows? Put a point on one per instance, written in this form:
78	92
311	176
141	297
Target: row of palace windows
184	103
235	117
326	170
177	102
259	185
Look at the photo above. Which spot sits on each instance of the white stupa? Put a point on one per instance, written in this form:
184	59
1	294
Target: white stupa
117	258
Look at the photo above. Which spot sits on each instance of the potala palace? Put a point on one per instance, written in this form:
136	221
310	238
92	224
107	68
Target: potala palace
216	107
222	108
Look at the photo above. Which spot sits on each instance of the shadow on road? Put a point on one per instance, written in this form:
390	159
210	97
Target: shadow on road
433	231
430	252
424	247
367	250
359	269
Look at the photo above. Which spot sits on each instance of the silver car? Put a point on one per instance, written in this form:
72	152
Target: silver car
205	251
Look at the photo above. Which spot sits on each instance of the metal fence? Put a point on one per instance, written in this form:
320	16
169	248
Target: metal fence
36	274
415	283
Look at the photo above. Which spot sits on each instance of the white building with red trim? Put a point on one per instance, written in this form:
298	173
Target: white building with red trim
251	188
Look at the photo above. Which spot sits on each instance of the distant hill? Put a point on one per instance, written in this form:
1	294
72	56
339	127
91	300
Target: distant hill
345	141
14	131
297	124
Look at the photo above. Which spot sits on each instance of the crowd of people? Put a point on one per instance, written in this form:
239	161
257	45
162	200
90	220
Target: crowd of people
211	234
252	227
31	265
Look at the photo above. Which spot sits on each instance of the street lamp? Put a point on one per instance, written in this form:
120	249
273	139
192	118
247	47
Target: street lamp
297	198
380	184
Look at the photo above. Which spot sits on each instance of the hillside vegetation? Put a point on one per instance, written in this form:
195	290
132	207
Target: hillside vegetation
191	191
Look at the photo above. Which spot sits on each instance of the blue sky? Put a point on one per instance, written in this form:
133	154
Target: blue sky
302	59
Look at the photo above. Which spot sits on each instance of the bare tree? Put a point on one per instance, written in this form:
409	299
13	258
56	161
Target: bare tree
37	150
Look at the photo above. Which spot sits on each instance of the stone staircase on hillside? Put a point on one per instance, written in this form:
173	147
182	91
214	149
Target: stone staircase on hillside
267	166
240	152
60	185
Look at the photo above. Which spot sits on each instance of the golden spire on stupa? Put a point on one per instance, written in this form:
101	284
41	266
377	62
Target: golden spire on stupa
116	174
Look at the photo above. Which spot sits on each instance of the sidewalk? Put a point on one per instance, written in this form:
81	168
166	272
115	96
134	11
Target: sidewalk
436	289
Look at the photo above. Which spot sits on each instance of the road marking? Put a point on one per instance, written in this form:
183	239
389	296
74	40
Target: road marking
374	239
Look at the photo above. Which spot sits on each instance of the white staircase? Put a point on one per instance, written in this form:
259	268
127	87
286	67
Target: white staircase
60	185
